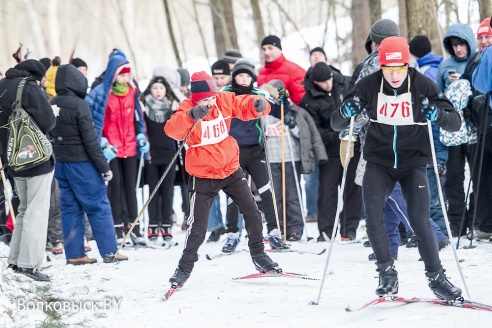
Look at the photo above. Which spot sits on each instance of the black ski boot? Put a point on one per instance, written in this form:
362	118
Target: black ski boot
179	277
231	242
276	240
388	279
441	286
264	264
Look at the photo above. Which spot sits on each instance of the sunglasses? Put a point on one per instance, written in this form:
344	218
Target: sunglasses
394	69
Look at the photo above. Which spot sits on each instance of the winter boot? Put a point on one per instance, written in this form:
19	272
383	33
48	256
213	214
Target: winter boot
275	240
441	286
110	258
179	277
388	279
231	242
264	264
153	232
165	232
135	235
215	235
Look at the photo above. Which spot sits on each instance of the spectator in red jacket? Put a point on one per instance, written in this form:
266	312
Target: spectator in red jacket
277	67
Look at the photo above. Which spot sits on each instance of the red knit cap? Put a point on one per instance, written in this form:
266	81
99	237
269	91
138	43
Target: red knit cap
394	50
484	28
202	86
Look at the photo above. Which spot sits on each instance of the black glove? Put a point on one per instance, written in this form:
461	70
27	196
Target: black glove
441	169
430	112
198	112
259	104
290	121
349	108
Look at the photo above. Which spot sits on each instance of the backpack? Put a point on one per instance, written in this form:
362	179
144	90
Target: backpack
27	145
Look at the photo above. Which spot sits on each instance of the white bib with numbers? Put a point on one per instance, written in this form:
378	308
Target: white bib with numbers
395	110
213	131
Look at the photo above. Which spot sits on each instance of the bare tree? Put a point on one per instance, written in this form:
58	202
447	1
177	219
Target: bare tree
224	26
200	31
361	24
122	16
403	24
171	32
485	7
257	18
422	19
375	10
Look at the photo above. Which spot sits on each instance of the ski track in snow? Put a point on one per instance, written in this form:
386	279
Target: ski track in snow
211	298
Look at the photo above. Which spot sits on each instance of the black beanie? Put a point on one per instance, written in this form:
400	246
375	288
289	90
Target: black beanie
420	46
317	49
321	72
244	66
46	62
77	62
273	40
221	67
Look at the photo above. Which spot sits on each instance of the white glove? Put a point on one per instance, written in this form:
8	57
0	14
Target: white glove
108	176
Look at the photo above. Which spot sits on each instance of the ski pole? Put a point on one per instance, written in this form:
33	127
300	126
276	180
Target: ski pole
479	176
298	187
282	134
441	199
140	167
144	207
269	170
339	209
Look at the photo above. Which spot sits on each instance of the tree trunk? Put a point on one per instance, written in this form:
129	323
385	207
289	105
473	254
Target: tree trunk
485	8
224	27
375	10
415	17
200	31
403	24
171	33
257	18
361	24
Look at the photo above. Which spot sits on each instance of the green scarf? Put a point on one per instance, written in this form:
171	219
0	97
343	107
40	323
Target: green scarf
120	89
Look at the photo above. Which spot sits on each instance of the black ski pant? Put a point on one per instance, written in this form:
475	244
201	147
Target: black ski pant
161	205
484	195
378	183
252	160
330	178
455	189
203	192
122	189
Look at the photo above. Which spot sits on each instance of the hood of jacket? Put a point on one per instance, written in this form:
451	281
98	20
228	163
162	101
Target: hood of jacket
69	81
430	59
30	67
462	31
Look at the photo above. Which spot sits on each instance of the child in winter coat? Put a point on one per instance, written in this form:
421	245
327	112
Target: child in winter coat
79	170
159	100
118	119
212	160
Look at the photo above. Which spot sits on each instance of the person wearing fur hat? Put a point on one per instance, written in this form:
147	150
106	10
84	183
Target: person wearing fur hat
27	247
118	119
252	158
159	103
399	102
212	160
277	67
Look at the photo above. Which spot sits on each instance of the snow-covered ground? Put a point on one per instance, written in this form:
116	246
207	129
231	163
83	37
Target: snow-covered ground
134	289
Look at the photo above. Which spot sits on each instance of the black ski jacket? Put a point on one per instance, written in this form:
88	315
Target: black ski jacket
399	146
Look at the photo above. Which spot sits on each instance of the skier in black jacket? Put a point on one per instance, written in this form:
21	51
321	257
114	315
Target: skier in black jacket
399	101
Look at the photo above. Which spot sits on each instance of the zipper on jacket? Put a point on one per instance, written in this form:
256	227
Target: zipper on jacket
395	135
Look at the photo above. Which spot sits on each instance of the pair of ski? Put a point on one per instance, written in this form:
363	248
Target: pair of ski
273	273
212	257
459	303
